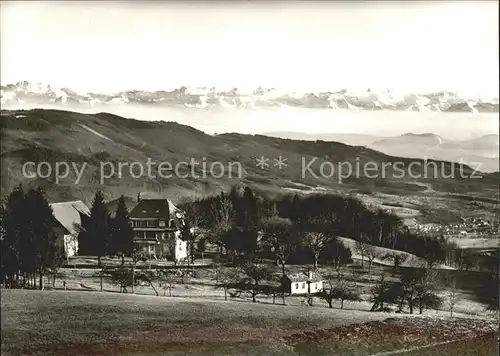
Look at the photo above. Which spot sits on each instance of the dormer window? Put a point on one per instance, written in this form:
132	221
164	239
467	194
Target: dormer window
161	223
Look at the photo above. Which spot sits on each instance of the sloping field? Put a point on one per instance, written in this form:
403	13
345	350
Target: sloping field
86	323
411	260
480	243
93	142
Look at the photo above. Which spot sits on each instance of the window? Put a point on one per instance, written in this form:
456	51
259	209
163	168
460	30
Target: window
296	286
315	285
303	285
161	223
140	223
151	223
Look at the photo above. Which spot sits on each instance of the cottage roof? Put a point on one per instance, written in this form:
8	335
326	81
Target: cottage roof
154	209
69	214
304	277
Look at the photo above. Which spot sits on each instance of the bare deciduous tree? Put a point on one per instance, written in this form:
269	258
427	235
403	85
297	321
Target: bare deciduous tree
184	270
381	294
360	248
149	277
167	280
397	259
452	295
317	241
138	255
254	274
371	254
341	289
226	278
426	296
283	238
120	276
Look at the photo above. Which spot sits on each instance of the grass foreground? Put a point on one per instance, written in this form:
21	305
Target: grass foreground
89	323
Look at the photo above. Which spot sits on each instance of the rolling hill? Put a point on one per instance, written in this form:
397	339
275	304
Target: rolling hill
352	139
95	143
481	152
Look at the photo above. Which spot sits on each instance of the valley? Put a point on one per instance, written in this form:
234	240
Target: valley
88	140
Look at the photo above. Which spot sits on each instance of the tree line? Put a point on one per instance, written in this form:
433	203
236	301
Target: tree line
102	235
245	228
303	229
30	247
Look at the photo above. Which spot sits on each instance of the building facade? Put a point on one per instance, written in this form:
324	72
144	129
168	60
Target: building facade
303	283
157	227
68	216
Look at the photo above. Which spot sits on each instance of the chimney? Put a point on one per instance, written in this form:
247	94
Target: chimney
139	197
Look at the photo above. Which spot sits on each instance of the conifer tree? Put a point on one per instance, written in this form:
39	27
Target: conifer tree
122	233
12	225
250	221
294	213
27	243
3	245
98	229
39	221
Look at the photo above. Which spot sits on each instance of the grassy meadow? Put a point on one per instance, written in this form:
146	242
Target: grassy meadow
54	322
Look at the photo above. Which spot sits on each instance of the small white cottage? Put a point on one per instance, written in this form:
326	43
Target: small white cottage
303	283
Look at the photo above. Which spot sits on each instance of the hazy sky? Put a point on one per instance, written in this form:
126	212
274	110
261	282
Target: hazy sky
100	46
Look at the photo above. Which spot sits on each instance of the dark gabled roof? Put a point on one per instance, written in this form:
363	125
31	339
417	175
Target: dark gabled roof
154	209
304	277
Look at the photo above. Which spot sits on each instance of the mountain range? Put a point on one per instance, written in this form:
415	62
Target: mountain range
479	152
35	94
88	140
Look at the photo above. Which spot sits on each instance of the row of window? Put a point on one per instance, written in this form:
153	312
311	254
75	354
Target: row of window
304	285
152	223
150	235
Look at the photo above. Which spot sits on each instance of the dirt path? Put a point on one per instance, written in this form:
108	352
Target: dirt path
428	187
416	348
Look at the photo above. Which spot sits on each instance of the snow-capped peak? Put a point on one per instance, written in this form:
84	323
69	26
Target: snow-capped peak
27	93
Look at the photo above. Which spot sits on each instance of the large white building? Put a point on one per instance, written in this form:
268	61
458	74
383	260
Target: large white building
157	227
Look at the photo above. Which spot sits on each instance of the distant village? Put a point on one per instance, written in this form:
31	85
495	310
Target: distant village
467	227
